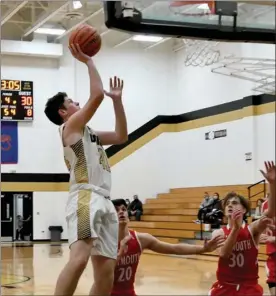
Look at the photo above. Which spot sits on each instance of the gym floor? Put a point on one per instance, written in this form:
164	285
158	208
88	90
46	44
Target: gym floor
32	269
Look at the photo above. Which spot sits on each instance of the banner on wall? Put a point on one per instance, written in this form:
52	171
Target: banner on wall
9	142
215	134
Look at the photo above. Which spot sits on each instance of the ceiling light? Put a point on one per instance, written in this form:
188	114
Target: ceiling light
49	31
77	4
147	38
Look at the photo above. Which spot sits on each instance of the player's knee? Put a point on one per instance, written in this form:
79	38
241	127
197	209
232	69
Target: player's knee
105	279
79	261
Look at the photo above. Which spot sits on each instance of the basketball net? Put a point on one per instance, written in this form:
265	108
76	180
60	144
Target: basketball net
200	52
197	52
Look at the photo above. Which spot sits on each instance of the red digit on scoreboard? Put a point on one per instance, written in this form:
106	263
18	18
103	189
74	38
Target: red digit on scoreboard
26	101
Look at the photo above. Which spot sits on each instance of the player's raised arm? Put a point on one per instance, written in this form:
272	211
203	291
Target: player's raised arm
270	176
120	135
227	248
150	242
78	120
258	227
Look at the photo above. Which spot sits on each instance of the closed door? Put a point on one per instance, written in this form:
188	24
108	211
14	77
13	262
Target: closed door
6	216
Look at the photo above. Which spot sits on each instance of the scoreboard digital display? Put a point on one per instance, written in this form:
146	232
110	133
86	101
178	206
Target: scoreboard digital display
16	100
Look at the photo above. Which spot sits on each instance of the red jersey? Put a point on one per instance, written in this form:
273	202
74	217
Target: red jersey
125	270
270	247
242	265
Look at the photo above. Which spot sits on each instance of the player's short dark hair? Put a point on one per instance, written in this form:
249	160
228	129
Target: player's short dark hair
119	202
244	202
53	105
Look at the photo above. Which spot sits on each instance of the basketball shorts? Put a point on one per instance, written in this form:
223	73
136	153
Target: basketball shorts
90	215
221	289
270	267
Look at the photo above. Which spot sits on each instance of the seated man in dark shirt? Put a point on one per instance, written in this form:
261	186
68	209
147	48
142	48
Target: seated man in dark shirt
215	214
135	208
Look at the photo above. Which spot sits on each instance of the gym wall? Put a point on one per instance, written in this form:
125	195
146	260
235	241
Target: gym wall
49	209
147	88
180	157
163	155
198	87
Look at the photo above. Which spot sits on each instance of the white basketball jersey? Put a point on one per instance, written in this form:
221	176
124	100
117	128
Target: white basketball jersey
88	164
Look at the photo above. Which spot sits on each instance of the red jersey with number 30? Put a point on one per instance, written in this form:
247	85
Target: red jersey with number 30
270	247
125	270
242	265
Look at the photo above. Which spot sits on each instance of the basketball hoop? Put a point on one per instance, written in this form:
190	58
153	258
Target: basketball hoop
193	8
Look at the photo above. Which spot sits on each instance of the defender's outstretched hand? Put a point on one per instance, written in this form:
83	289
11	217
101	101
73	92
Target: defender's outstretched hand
264	239
116	86
213	244
78	53
270	172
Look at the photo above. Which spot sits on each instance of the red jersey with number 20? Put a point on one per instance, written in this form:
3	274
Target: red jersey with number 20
242	265
270	247
125	270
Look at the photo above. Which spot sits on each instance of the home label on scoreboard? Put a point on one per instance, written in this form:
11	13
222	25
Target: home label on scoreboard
17	100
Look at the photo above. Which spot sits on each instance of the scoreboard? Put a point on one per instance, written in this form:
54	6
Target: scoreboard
16	100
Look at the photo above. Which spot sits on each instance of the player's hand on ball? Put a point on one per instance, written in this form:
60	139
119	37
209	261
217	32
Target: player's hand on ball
116	86
237	217
213	244
78	54
270	172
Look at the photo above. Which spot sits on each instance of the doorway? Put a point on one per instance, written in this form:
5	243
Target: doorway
23	211
7	216
16	216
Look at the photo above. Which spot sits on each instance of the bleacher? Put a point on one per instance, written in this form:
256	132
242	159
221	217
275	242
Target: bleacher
170	216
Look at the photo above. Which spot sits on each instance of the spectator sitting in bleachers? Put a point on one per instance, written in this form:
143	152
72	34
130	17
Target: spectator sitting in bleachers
127	202
215	215
258	211
135	208
204	207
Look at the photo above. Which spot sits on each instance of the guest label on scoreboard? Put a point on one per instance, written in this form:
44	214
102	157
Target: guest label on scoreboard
16	100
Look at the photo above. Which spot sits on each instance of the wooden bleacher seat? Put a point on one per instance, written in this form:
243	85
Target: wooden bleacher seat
168	218
165	225
192	212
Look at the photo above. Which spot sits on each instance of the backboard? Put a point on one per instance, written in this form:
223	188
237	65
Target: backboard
250	21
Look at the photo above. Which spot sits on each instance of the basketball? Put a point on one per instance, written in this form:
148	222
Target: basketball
88	38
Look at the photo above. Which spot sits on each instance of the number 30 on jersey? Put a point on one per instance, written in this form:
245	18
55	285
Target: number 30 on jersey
236	260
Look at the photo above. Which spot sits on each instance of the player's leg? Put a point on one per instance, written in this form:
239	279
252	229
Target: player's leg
103	275
69	276
104	253
272	288
138	215
271	273
81	236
